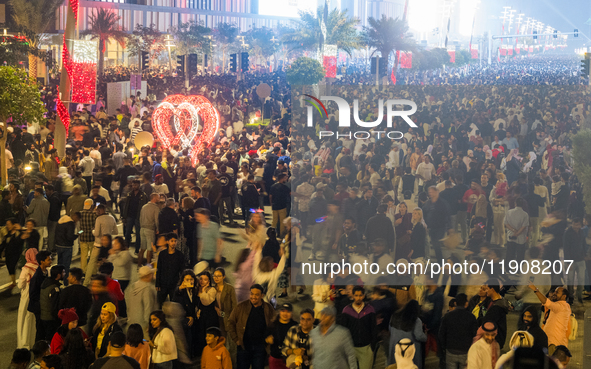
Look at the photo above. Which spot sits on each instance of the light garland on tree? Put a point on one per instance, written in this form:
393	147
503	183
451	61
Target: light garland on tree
186	112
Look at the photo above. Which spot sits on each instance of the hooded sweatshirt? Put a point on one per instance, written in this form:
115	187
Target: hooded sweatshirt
50	297
65	232
540	337
217	357
497	313
143	299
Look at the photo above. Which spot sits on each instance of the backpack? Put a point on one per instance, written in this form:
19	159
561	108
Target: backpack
573	328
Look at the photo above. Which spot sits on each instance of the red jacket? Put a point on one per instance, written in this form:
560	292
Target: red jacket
114	289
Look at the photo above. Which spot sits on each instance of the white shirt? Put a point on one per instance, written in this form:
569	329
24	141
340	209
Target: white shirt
161	189
426	171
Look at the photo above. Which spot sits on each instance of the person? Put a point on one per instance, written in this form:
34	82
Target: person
75	353
379	226
148	227
206	313
69	320
497	311
65	235
557	316
405	323
51	362
276	335
76	201
226	302
247	325
529	321
575	246
438	220
186	296
114	289
332	345
105	225
31	236
563	355
105	326
86	238
455	333
38	210
49	300
226	204
136	347
517	224
130	214
209	241
12	245
142	298
171	263
485	351
280	199
44	260
122	262
168	219
162	341
20	359
25	326
39	350
418	236
76	296
297	346
404	354
215	354
116	358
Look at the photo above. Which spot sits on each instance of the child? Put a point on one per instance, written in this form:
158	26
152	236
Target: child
215	354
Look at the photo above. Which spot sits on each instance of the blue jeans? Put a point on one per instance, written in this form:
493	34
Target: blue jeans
454	361
164	365
252	355
64	257
130	223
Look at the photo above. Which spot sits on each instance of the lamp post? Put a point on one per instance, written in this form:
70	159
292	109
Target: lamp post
169	43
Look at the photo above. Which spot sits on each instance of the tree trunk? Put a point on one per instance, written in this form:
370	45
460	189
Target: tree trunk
4	174
32	66
101	62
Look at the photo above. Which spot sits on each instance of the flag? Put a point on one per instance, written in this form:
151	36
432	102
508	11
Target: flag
452	56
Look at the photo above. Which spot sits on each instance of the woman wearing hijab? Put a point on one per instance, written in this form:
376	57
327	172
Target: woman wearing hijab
25	326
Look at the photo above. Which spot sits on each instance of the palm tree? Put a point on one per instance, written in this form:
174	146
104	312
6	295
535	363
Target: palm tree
35	16
225	35
104	26
387	35
340	31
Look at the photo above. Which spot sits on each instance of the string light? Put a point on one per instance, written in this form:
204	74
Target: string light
186	113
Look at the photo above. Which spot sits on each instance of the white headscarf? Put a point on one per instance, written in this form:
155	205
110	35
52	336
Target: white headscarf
528	166
404	353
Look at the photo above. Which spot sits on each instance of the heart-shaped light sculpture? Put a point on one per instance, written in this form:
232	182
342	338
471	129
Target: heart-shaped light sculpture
186	112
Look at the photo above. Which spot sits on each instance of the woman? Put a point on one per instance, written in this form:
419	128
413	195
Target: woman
256	232
403	224
418	235
187	232
12	245
405	323
162	341
186	295
30	235
206	313
122	262
25	327
75	353
105	326
275	336
69	320
136	347
226	301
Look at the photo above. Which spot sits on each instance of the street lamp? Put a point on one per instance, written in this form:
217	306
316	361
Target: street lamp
169	42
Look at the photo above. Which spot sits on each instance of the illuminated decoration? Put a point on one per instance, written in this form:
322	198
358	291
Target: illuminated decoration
329	60
186	113
405	60
83	66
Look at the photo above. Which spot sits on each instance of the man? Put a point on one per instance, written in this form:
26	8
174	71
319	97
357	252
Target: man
452	196
530	322
212	187
142	298
168	219
297	340
332	345
209	241
76	296
86	238
171	263
200	201
360	319
44	260
557	316
87	166
575	249
96	197
438	219
498	310
280	199
38	210
51	362
517	224
20	359
366	208
471	196
226	204
425	172
130	214
485	352
510	141
65	235
55	208
534	202
105	224
455	333
115	357
247	325
148	227
159	186
49	300
380	226
350	239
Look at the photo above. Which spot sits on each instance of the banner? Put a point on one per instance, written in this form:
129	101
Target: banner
452	56
509	49
474	52
83	65
503	50
330	61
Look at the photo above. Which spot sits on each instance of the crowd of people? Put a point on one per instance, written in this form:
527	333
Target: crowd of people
486	175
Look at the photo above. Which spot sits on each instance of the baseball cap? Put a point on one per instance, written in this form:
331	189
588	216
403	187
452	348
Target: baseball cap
117	339
88	204
110	307
286	306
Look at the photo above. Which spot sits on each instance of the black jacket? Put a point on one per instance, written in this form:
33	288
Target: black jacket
497	313
49	299
76	296
365	210
540	337
106	339
65	232
170	267
363	326
35	291
380	226
55	207
168	220
456	331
